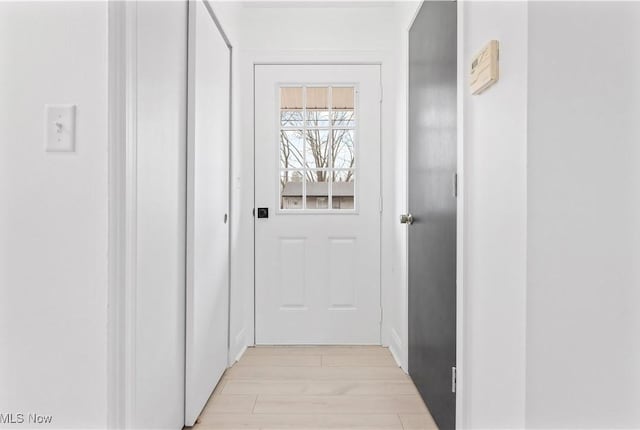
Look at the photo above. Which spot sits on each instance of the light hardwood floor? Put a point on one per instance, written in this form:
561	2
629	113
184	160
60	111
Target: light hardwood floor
315	387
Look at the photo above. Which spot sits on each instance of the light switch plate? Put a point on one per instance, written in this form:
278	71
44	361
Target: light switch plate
60	128
484	68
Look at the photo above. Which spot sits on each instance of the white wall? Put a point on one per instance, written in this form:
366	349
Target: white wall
54	247
551	221
583	324
267	32
495	220
53	222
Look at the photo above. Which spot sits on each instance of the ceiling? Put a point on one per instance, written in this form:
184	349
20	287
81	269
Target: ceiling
313	3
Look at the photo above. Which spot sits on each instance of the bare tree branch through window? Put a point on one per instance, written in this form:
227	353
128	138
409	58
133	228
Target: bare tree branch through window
317	145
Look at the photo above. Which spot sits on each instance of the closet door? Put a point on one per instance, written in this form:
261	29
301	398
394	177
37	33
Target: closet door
432	206
207	307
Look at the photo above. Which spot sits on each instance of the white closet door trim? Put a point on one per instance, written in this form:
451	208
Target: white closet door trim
122	164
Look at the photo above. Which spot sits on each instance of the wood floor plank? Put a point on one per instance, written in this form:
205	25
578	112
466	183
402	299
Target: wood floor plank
302	422
282	360
358	360
272	404
319	388
418	422
323	387
288	373
220	386
222	403
316	350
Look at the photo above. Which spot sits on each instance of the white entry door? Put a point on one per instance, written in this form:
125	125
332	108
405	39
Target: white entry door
207	210
317	200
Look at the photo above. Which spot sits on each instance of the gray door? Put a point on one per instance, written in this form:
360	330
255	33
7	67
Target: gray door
432	203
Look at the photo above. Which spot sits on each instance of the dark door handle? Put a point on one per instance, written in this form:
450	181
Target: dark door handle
263	212
406	219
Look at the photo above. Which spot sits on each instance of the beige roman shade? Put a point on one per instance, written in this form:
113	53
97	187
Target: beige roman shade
342	98
291	98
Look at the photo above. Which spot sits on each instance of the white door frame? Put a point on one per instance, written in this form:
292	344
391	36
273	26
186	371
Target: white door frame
296	59
306	59
122	212
460	330
247	60
122	88
242	275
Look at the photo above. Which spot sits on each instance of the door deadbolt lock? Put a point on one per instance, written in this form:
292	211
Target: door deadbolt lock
406	219
263	212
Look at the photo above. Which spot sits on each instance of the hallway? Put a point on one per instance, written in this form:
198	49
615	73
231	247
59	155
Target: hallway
315	387
189	185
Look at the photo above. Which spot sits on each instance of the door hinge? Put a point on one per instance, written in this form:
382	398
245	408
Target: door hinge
380	204
381	93
453	379
381	314
455	185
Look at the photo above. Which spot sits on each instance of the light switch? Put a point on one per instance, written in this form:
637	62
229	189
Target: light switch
60	128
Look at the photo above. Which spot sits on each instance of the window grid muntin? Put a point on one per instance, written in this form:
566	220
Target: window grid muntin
330	128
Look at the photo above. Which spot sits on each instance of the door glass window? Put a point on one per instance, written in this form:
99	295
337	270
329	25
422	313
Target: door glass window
318	142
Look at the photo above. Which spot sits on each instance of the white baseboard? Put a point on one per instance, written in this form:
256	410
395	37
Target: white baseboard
241	353
238	348
395	347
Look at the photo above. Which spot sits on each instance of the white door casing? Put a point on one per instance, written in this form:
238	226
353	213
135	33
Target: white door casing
207	296
317	270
